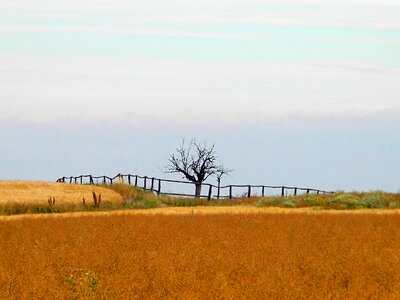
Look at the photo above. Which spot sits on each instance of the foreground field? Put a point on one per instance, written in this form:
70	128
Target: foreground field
190	253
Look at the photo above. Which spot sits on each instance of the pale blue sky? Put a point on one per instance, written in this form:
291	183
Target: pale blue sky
230	31
206	69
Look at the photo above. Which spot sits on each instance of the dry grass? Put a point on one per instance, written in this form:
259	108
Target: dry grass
190	253
206	210
31	192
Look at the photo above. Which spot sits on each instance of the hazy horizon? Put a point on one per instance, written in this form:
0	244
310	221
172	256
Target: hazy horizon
293	92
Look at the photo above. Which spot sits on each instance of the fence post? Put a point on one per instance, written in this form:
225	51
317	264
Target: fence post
295	191
159	187
70	179
218	192
308	191
111	181
263	191
91	180
136	180
283	191
249	191
129	179
318	192
230	192
209	193
76	179
81	178
104	180
145	182
152	184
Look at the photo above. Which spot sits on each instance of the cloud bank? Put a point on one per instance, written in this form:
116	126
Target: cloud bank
46	89
225	62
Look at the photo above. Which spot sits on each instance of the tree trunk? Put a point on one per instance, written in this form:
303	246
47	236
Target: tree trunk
198	189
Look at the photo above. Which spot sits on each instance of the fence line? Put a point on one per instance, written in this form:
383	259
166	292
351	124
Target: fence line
155	185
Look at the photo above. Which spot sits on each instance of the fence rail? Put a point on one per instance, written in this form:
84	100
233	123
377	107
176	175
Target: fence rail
157	185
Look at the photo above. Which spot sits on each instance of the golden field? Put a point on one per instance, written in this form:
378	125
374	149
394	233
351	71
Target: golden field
202	253
38	192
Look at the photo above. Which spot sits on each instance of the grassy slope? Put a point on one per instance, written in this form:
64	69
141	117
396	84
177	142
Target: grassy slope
340	200
38	192
31	197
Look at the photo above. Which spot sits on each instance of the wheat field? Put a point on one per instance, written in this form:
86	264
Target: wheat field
202	253
38	192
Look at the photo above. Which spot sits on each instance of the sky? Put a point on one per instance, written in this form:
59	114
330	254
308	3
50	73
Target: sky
292	92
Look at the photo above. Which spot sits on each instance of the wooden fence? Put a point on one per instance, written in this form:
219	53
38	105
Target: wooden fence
157	185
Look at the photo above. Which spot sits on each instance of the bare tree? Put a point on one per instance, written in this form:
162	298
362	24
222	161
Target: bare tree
196	162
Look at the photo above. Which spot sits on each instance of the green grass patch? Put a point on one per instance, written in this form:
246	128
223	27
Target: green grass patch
339	201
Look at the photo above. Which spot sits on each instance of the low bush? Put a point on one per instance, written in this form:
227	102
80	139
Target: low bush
372	201
288	203
343	201
310	200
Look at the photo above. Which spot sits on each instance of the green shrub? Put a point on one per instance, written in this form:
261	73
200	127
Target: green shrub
288	203
265	202
309	200
343	201
373	201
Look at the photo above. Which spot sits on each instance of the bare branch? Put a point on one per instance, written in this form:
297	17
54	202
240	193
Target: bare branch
196	162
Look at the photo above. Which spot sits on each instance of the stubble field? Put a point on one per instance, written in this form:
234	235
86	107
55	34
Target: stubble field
189	253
